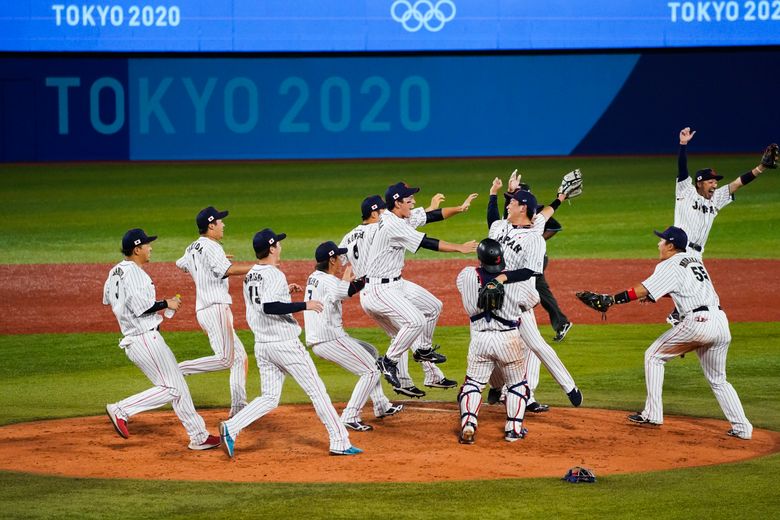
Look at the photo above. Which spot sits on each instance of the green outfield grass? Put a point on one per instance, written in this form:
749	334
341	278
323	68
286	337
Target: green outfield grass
48	376
78	212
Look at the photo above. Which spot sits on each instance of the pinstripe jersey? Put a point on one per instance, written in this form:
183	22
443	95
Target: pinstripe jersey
206	262
326	325
685	279
694	213
469	284
358	243
523	247
393	236
267	284
130	292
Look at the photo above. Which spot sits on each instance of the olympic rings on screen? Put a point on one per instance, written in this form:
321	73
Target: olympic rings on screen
423	13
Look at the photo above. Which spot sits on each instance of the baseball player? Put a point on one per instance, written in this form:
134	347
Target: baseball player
328	339
130	293
406	308
495	344
698	203
703	329
356	242
520	235
206	262
277	347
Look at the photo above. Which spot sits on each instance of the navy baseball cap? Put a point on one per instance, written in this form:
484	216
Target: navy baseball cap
209	215
676	236
328	250
372	203
707	174
525	198
265	239
134	238
399	191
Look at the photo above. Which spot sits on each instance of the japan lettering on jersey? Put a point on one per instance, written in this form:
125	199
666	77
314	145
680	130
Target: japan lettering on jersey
267	284
393	236
358	243
206	262
695	214
468	284
326	325
130	292
524	248
685	279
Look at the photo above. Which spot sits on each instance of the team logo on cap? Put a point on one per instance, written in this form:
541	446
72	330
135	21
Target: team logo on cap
270	241
395	196
331	253
211	218
374	206
137	242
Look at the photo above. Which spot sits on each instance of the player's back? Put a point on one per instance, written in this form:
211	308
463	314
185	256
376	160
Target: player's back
266	284
206	262
358	243
130	292
330	291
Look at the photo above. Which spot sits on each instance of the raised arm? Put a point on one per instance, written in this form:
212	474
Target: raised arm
682	158
492	207
768	160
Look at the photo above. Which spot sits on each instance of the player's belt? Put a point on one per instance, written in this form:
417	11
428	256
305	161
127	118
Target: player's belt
695	247
704	308
490	316
382	280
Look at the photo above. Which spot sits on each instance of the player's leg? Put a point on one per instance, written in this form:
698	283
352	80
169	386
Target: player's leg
299	365
214	321
389	301
431	308
509	353
348	354
378	398
238	375
713	364
533	368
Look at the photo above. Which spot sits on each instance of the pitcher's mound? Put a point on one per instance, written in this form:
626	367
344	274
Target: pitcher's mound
420	444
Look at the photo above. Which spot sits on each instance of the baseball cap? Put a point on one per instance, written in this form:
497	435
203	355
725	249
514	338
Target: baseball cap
327	250
525	198
707	174
399	191
209	215
372	203
676	236
134	238
265	239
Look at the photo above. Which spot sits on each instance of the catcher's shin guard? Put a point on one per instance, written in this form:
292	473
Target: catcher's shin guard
469	400
517	396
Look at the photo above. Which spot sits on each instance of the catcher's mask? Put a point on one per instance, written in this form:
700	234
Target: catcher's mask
491	256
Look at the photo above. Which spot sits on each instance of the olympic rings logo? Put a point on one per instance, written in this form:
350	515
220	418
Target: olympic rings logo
423	13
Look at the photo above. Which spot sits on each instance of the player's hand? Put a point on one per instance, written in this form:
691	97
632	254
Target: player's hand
294	288
468	247
686	135
436	201
497	184
514	182
174	303
347	276
314	305
467	203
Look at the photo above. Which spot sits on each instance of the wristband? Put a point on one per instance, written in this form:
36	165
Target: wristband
625	296
554	204
747	178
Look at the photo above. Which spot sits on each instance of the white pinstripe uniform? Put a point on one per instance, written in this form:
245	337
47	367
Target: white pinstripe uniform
524	247
206	262
696	214
406	311
493	346
326	336
279	352
704	329
357	242
130	292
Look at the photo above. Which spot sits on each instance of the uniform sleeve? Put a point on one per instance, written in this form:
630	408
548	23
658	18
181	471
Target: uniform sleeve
408	237
338	289
216	261
139	293
684	187
417	218
534	253
106	288
722	197
275	289
495	229
539	223
468	288
662	281
183	263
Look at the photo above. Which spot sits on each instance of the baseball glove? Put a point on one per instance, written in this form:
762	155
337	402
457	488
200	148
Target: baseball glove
571	184
770	157
599	302
578	474
491	296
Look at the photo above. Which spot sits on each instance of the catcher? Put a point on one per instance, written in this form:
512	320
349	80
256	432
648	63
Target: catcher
495	343
703	329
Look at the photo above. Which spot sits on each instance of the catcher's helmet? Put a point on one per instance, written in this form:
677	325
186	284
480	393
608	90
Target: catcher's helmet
491	256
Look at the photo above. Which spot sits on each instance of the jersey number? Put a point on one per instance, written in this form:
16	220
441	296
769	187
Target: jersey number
308	294
116	295
254	294
700	273
355	252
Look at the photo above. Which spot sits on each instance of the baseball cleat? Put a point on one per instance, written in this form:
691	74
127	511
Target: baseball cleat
120	425
467	434
561	333
389	368
228	442
739	435
537	407
409	391
349	451
494	396
429	354
358	426
512	436
575	396
394	409
212	441
638	418
443	383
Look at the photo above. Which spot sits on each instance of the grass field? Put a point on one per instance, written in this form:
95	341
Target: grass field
78	212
